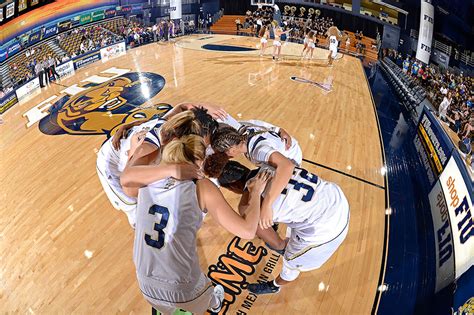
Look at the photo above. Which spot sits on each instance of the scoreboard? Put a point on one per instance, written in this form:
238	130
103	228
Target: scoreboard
10	9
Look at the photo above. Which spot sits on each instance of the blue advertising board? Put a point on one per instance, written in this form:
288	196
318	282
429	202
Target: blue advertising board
110	13
34	37
50	31
3	54
13	49
433	145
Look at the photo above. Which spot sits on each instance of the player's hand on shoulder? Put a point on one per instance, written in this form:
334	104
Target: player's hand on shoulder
285	137
258	183
186	171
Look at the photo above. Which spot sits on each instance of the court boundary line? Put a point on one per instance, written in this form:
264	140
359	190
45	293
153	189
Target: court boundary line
344	173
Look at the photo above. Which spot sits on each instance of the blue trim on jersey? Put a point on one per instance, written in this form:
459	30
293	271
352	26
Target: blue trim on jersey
260	139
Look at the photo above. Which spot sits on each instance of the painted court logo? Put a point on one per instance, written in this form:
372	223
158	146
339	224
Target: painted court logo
101	105
235	266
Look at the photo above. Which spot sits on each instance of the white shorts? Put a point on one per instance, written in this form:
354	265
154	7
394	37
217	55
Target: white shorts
333	52
197	300
263	40
301	256
311	45
113	190
277	43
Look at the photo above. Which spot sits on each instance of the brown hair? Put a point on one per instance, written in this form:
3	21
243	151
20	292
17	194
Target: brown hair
226	137
214	164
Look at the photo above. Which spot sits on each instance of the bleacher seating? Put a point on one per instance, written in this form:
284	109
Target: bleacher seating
406	87
21	60
115	25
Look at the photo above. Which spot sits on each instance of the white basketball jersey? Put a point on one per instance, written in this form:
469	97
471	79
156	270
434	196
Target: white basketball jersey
168	218
111	162
333	42
316	209
262	145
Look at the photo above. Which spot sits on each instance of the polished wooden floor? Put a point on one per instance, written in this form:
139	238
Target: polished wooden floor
64	249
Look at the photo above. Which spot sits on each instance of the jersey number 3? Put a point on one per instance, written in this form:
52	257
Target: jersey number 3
159	226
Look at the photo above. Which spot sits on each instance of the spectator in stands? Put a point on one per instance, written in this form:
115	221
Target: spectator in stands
443	107
238	24
455	122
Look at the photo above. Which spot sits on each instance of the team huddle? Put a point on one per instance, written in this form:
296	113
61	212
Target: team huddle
168	172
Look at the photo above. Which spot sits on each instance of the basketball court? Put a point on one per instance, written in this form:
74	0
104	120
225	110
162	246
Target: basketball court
71	251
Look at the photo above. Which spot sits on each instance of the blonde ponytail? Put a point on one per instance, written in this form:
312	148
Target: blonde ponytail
187	149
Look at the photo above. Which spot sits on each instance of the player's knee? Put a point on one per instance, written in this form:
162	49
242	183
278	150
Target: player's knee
288	274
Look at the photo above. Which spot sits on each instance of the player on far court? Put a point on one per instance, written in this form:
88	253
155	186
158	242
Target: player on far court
277	42
334	37
169	214
311	44
316	211
305	43
264	35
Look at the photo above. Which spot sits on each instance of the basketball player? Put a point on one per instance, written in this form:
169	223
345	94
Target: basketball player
169	214
260	147
316	211
277	42
311	44
305	43
112	158
264	35
334	36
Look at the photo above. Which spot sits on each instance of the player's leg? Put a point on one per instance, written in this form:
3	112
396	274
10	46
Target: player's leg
274	50
272	239
279	51
330	58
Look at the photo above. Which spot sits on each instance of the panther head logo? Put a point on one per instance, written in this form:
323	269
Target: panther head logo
102	108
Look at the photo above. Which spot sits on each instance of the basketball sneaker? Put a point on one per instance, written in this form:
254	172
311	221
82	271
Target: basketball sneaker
263	288
219	293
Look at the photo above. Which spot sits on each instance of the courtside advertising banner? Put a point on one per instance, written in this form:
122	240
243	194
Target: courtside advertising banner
7	101
432	144
459	203
27	88
65	69
175	9
86	59
112	51
425	34
444	247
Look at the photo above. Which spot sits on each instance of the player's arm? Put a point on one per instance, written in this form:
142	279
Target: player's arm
211	199
122	131
283	171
